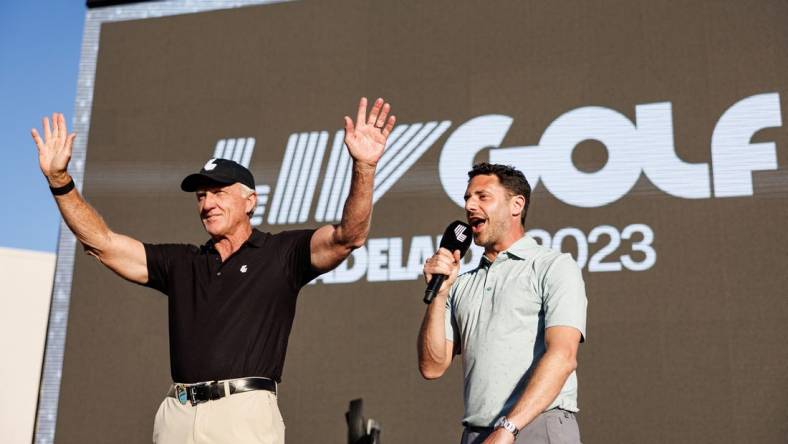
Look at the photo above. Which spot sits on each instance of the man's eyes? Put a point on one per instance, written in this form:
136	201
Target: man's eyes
201	196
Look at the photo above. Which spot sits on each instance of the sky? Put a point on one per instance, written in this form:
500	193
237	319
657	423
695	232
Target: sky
40	44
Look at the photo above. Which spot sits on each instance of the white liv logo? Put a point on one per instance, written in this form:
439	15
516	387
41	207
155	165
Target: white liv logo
458	231
210	165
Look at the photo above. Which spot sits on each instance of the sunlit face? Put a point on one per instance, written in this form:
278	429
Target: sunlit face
488	208
223	209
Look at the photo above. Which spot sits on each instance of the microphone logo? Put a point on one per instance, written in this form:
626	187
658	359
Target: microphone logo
459	231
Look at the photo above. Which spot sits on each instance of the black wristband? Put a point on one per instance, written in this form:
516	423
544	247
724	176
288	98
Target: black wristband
59	191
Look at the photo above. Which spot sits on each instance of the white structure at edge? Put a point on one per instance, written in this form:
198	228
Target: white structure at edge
27	278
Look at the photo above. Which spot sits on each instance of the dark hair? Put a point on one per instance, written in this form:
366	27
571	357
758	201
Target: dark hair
510	177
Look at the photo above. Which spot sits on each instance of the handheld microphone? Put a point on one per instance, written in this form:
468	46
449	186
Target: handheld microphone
456	237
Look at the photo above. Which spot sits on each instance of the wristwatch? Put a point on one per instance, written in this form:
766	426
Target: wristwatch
507	425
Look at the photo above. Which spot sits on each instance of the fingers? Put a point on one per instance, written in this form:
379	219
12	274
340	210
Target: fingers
384	112
56	128
348	126
62	130
389	126
442	262
373	114
37	139
70	143
362	111
47	130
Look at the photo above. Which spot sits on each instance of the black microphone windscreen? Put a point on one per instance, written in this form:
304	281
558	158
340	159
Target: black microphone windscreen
457	236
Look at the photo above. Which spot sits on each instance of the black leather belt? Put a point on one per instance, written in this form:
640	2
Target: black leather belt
478	429
207	391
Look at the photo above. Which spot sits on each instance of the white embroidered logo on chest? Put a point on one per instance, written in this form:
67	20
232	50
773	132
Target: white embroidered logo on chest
243	268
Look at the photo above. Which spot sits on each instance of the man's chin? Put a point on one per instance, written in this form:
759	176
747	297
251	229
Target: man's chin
212	228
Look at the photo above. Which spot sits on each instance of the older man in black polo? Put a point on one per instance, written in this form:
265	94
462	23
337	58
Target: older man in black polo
231	300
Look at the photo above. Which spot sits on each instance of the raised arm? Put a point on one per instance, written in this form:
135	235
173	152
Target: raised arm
435	350
121	254
365	141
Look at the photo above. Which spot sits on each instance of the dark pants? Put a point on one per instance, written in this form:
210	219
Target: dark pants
551	427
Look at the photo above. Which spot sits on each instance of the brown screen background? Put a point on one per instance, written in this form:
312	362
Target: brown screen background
691	350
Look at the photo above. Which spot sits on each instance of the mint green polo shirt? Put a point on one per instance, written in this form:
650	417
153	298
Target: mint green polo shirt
499	311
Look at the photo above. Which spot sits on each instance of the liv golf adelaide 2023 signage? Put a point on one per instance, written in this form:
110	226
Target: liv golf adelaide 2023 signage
645	146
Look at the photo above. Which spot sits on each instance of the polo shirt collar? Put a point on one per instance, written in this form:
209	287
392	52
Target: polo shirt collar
519	250
256	239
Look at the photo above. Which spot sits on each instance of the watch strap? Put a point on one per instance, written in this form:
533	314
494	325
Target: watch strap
504	423
59	191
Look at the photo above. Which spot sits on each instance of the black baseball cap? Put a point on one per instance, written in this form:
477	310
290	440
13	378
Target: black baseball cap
218	172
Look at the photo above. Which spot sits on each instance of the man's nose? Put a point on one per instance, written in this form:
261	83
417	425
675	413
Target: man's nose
470	205
209	201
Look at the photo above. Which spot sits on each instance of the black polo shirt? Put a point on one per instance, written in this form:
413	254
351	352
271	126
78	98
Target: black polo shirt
231	319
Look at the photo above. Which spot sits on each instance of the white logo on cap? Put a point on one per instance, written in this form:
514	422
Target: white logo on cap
210	165
243	268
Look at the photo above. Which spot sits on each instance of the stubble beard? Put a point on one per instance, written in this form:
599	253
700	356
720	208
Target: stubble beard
490	236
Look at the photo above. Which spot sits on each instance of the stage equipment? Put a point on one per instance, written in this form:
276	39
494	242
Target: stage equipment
358	430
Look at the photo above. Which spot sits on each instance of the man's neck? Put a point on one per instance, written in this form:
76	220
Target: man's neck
491	251
229	244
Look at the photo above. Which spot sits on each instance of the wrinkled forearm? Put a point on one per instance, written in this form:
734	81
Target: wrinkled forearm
353	229
86	224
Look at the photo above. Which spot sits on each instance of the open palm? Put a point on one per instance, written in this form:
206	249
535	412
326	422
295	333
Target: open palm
366	139
54	151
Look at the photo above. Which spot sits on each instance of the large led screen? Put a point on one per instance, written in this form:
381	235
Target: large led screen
652	133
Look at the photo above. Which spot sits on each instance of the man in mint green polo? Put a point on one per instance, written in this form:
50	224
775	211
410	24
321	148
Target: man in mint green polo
517	320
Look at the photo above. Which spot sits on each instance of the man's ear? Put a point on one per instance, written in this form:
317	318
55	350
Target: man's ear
251	203
517	205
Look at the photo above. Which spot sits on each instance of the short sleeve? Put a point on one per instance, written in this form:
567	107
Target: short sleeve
564	295
297	256
452	332
160	259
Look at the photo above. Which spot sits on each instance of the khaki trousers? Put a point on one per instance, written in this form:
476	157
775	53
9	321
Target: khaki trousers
243	418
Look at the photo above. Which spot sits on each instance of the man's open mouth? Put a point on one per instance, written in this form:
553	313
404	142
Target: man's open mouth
477	223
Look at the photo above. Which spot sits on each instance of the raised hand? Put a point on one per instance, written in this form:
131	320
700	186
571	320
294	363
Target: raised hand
54	151
366	139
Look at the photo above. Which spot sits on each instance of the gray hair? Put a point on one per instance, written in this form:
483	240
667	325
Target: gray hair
245	190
